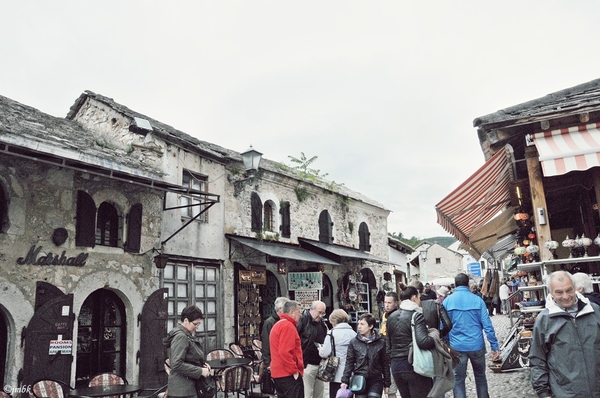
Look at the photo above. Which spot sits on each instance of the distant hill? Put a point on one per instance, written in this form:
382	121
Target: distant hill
414	241
442	240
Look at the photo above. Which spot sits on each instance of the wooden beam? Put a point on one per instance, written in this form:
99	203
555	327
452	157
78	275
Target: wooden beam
538	200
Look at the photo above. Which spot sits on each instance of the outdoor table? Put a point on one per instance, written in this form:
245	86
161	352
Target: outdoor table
106	391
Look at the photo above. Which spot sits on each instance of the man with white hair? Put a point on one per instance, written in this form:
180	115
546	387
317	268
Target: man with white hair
266	329
583	285
565	344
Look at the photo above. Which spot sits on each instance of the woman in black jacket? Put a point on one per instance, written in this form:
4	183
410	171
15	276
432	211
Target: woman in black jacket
399	341
367	356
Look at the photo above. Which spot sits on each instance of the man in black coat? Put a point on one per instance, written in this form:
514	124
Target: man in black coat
312	329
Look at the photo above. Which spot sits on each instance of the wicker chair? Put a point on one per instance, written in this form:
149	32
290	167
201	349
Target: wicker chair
107	379
219	353
237	350
236	379
48	388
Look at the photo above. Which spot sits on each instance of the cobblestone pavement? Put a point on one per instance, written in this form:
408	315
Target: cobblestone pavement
512	384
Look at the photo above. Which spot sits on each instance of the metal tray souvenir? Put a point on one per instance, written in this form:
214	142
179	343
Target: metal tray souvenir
243	295
253	296
241	310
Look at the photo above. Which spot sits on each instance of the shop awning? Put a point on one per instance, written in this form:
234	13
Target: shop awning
282	250
479	198
488	235
339	253
568	149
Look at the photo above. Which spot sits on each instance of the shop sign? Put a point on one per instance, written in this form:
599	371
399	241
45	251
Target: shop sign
305	280
62	346
306	297
51	259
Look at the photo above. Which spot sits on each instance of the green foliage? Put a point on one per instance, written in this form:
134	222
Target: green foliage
301	193
345	203
304	170
350	226
414	241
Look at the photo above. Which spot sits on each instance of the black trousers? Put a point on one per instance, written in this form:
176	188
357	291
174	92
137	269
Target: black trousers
288	387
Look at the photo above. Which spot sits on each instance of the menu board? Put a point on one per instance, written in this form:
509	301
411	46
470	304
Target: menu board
306	297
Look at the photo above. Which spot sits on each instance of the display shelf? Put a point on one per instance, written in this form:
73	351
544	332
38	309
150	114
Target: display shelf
573	260
531	288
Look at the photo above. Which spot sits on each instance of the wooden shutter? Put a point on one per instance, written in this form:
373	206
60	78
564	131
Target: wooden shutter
85	230
285	220
364	237
153	328
325	225
134	229
46	324
256	212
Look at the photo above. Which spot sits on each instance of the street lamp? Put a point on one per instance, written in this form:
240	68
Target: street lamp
423	253
251	158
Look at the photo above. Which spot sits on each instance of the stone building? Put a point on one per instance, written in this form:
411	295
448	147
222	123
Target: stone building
147	220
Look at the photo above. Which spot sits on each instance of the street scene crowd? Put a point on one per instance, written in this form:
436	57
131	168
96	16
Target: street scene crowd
454	326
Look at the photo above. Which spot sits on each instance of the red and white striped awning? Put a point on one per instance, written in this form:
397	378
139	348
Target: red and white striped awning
568	149
479	198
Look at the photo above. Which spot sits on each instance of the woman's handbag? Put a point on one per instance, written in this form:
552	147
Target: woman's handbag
328	366
357	383
206	387
422	359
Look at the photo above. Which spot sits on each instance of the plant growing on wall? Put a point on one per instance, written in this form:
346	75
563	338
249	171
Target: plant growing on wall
350	226
345	203
301	193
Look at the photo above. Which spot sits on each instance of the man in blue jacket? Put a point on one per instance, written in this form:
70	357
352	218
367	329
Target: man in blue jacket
470	319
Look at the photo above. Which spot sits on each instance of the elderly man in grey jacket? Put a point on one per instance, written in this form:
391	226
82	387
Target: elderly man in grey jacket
565	346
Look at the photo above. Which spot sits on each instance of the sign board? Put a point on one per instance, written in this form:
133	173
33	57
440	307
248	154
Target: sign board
306	297
64	346
305	280
474	268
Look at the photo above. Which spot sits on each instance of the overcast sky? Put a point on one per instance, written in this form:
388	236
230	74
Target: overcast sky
384	93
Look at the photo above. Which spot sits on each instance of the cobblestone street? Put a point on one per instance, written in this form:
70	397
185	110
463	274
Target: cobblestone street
512	384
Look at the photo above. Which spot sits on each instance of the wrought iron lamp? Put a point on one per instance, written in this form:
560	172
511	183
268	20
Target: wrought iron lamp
251	158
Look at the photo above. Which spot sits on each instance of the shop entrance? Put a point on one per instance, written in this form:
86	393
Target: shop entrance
101	336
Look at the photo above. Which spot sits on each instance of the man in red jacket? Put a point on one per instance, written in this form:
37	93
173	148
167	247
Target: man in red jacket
287	365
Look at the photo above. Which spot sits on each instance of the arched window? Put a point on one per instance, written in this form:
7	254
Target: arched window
325	227
107	225
364	237
268	216
86	220
256	212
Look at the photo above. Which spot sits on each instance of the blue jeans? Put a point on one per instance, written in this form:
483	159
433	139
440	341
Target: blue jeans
477	359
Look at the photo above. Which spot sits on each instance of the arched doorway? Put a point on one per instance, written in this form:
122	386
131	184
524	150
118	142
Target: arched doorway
101	336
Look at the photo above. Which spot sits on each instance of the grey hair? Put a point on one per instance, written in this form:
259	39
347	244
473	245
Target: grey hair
280	302
583	281
560	275
290	305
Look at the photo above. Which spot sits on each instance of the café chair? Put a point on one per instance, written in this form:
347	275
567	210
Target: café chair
48	388
219	353
237	350
107	379
5	394
236	379
257	344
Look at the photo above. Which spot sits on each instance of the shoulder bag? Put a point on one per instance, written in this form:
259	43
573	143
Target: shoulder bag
357	383
328	366
422	359
206	387
445	319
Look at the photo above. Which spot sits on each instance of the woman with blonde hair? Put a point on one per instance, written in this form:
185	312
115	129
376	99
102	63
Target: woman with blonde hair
342	334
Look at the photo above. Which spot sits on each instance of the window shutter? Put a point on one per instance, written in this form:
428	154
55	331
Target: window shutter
325	226
285	220
134	229
256	212
364	237
85	230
